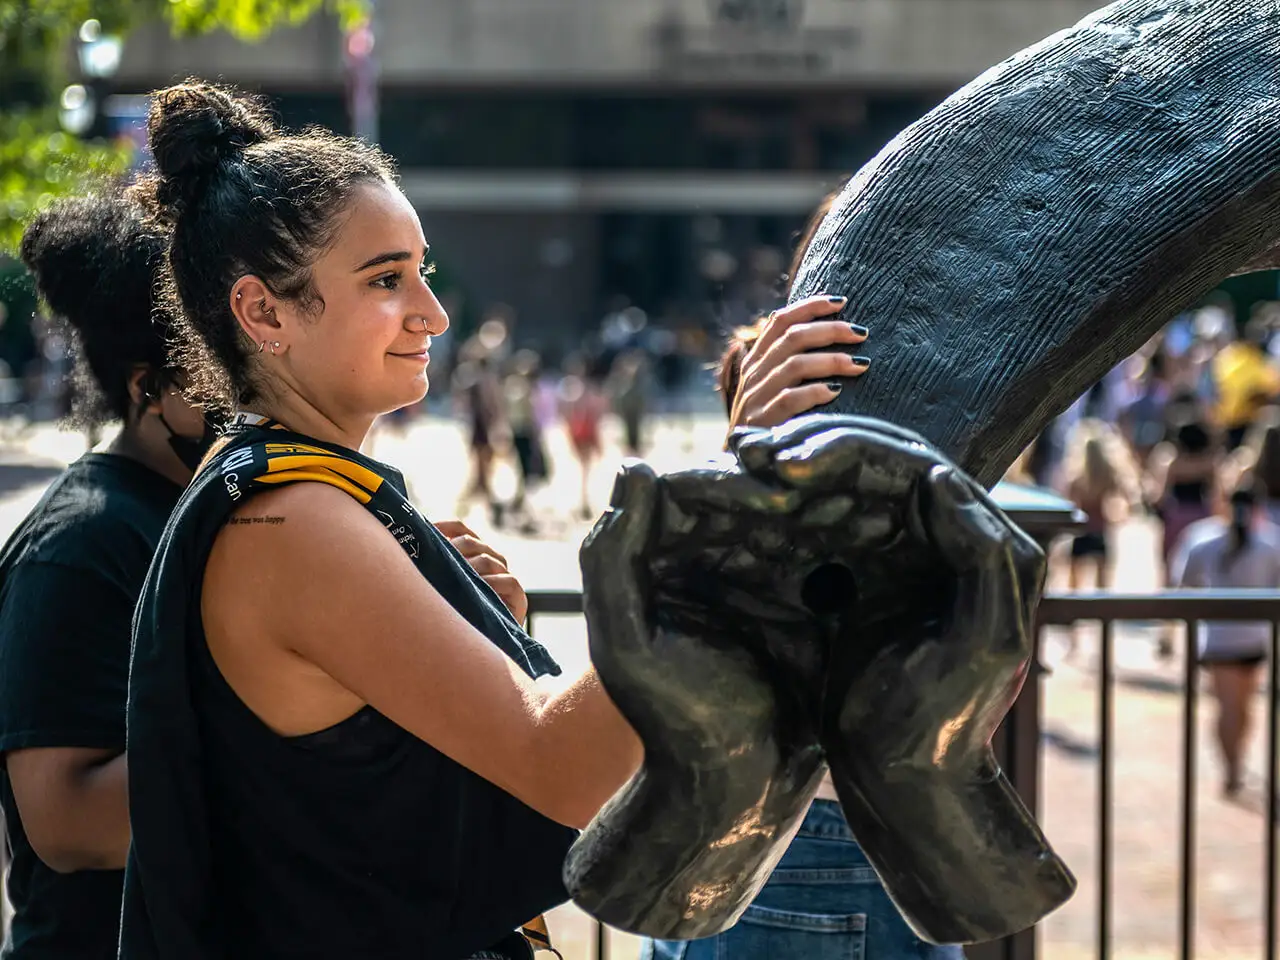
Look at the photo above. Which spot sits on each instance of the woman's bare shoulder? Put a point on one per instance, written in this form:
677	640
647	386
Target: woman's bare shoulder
292	541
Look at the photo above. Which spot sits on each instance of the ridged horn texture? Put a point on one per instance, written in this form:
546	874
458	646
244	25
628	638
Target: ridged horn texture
1022	238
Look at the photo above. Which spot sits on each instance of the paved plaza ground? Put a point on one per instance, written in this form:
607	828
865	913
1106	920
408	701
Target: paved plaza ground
1148	703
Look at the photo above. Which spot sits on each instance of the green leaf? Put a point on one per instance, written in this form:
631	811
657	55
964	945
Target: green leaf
254	19
40	163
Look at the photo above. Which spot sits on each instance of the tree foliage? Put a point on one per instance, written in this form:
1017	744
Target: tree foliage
38	161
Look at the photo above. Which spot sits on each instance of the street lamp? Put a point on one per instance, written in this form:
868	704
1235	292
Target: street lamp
99	57
76	109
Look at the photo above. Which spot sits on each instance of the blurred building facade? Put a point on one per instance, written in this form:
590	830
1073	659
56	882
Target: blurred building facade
568	154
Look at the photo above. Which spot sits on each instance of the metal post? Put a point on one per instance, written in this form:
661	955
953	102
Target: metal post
1187	864
360	55
1106	728
1273	761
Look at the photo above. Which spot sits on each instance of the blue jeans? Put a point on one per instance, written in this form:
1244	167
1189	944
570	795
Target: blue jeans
823	902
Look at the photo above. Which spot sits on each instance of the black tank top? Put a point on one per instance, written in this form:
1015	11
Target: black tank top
357	841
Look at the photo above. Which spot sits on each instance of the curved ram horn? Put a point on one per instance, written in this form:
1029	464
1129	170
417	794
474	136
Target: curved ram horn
1026	235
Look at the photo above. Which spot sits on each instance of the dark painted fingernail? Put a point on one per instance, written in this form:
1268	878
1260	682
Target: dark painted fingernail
859	329
862	362
836	299
835	386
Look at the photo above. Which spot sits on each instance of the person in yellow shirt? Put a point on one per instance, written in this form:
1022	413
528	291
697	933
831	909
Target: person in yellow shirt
1246	382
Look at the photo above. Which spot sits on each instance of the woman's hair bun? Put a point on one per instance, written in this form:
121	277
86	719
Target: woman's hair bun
195	127
94	258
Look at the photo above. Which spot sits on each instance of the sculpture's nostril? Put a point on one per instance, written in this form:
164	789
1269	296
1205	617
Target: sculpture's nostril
829	589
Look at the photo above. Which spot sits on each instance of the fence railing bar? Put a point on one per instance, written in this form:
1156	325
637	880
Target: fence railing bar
1065	609
1273	770
1187	811
1187	606
1106	714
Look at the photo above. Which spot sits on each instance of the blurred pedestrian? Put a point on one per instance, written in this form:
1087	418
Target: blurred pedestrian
1183	479
628	388
1239	553
478	394
1098	477
1143	420
1183	488
1246	380
519	390
582	405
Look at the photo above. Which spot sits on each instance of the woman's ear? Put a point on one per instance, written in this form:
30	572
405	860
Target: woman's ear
254	308
144	389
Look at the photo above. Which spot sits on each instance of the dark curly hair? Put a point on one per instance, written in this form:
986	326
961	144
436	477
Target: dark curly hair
242	197
96	260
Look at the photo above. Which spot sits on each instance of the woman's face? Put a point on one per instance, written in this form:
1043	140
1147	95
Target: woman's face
365	352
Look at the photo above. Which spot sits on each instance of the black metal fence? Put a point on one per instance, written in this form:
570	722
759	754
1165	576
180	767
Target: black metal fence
1018	744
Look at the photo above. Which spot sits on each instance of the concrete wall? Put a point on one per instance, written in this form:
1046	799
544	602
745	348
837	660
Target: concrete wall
635	43
544	263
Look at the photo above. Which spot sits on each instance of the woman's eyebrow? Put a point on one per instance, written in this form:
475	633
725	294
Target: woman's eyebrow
395	256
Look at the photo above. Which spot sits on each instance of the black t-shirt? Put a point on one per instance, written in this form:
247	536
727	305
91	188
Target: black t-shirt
70	576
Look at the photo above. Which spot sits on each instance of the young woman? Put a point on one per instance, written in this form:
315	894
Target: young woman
1098	477
1243	552
71	574
337	747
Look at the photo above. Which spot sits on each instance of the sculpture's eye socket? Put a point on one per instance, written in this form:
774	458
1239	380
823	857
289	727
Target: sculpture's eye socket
829	589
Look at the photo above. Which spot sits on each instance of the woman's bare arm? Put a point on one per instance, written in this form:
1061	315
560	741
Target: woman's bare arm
343	596
74	803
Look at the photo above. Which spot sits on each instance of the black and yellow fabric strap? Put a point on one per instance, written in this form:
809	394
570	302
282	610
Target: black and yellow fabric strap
535	931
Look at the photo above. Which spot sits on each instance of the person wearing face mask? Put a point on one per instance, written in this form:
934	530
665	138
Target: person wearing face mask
71	574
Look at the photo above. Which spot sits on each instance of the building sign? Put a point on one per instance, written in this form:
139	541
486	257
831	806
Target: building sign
658	43
752	38
783	15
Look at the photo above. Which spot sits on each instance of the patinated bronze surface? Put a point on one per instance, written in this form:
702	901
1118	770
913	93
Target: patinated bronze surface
841	588
837	588
1041	224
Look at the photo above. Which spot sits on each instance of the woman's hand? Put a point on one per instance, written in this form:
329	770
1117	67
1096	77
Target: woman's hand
780	378
489	563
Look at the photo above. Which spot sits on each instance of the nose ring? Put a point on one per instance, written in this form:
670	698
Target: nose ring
424	325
